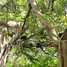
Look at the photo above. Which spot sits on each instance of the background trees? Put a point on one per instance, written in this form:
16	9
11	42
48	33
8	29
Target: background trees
30	33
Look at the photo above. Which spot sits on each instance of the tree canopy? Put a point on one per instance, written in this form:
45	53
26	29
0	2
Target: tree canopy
31	31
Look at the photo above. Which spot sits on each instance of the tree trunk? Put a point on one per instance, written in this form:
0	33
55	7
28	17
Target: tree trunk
4	51
63	54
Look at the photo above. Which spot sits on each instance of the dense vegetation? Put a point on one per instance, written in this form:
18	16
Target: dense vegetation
33	47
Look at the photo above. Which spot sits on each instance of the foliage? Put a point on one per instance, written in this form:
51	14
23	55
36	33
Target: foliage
16	10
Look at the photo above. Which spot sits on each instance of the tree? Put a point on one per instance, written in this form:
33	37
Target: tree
35	17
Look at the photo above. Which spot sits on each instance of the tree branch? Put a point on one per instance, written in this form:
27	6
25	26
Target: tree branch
45	24
10	24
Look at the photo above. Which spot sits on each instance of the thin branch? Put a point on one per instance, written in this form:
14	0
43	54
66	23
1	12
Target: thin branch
27	16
